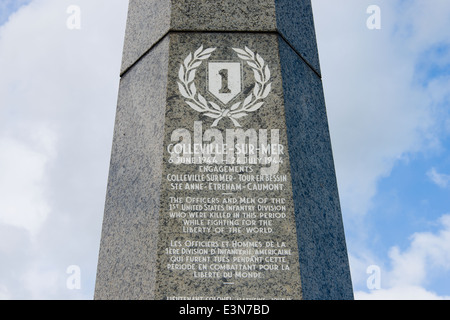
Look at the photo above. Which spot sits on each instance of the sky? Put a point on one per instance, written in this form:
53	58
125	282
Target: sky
386	74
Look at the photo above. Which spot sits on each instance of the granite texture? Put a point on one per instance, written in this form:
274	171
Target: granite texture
224	15
322	248
273	284
150	20
127	258
295	23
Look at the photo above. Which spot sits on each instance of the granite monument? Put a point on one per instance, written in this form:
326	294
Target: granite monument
222	182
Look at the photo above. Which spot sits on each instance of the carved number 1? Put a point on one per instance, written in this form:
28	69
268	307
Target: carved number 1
224	74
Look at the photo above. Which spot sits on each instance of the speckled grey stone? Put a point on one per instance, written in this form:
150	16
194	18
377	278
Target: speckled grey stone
295	23
224	15
274	285
127	259
322	248
146	246
149	20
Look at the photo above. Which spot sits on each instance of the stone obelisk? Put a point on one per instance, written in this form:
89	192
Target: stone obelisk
222	182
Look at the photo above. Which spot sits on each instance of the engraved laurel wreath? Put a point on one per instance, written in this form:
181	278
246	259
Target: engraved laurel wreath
210	109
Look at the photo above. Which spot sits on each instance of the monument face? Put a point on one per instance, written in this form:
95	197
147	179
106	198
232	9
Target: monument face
222	182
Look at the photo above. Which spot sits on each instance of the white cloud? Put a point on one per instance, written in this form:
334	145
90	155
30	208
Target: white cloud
8	6
442	180
412	269
44	280
22	185
400	293
4	294
359	262
59	93
376	114
428	250
381	111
